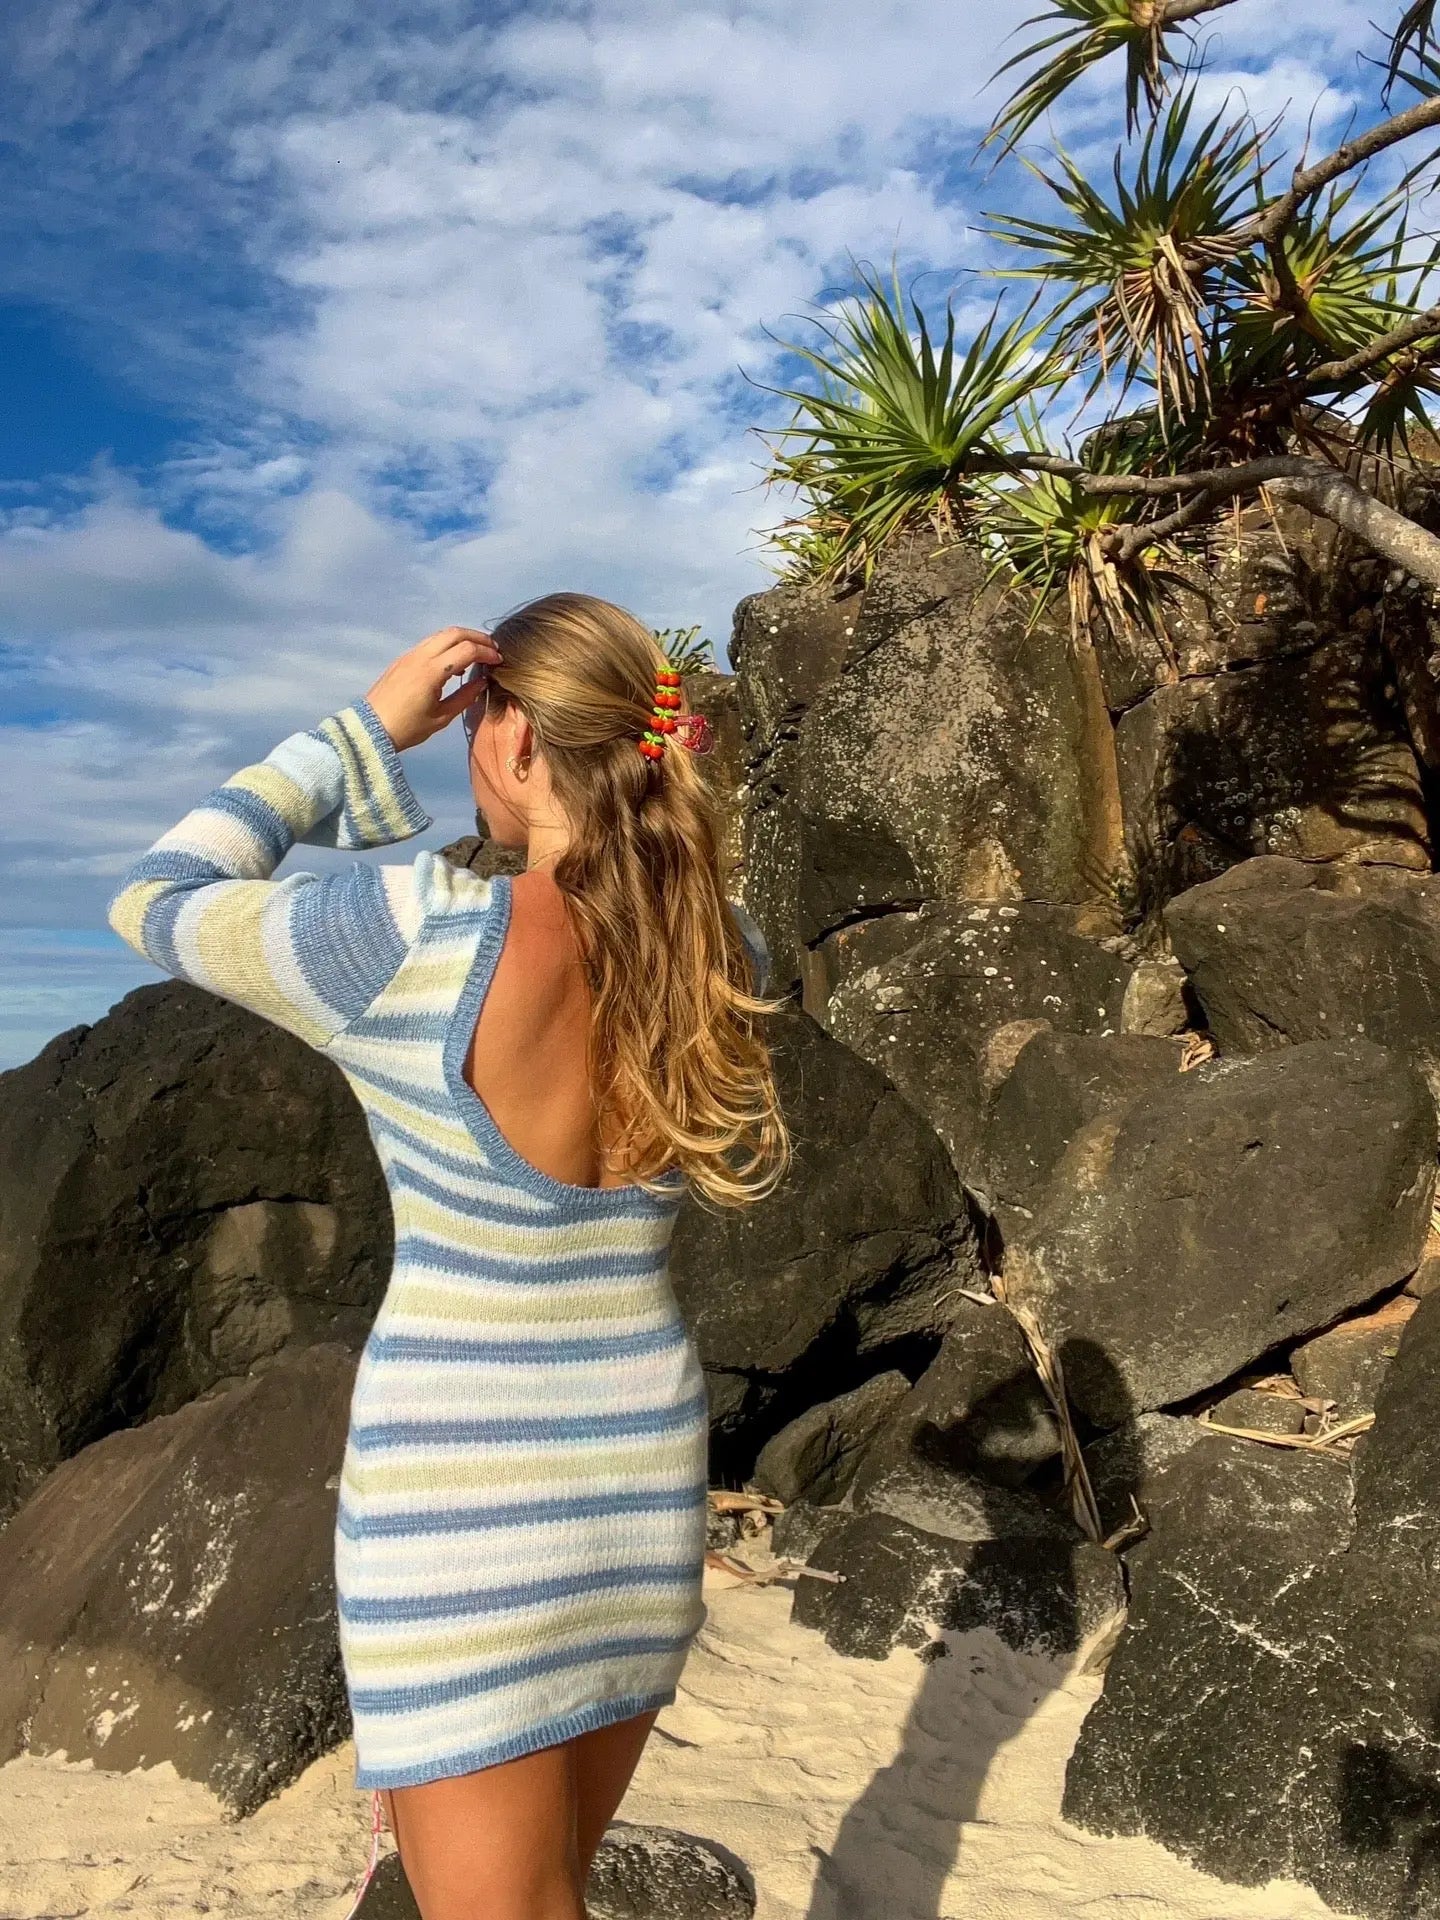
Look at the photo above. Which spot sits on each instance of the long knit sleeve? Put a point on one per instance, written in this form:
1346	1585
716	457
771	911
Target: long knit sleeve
309	952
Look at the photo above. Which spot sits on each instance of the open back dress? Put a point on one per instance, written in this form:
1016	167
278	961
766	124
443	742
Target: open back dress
520	1528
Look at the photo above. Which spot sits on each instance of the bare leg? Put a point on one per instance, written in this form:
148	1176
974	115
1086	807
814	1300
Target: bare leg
494	1845
605	1760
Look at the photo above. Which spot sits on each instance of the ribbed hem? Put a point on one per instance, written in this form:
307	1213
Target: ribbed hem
552	1733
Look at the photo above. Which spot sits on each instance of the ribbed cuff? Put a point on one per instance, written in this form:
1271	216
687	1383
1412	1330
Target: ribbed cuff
380	806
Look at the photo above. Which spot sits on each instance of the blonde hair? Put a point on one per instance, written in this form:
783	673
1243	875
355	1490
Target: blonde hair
675	1044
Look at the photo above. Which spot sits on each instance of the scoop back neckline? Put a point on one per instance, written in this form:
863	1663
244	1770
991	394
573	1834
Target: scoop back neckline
478	1117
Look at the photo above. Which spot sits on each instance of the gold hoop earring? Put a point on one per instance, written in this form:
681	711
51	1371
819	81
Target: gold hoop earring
510	762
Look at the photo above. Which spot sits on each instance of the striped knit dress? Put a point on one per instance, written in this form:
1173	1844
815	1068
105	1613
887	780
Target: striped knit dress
520	1527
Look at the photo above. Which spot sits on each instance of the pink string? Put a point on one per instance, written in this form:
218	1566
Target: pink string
376	1827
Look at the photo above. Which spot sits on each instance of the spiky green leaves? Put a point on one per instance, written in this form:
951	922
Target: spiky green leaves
895	430
1083	33
1143	263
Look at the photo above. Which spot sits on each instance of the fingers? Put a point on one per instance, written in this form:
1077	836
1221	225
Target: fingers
452	703
450	641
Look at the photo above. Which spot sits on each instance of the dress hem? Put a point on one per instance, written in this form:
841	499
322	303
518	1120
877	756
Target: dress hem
602	1713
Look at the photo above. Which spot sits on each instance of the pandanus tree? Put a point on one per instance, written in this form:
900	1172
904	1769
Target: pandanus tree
1209	321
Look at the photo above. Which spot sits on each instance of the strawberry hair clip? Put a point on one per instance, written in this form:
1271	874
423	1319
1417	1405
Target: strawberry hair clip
690	730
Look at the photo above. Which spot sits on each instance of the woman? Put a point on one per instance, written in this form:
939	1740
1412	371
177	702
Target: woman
548	1062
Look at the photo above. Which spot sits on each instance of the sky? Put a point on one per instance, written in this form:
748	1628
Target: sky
323	327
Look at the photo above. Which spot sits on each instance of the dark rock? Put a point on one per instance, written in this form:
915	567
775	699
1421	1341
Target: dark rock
1266	595
999	782
1279	951
795	1533
1058	1083
978	1407
657	1873
1168	1252
1271	1708
958	1506
477	853
1259	1412
1305	755
1195	1740
786	645
639	1873
168	1594
815	1457
1347	1364
860	1247
1127	1467
998	786
1397	1463
923	1014
1156	1001
717	696
1040	1595
185	1189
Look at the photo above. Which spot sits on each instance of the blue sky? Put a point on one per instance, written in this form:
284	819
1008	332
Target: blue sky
324	326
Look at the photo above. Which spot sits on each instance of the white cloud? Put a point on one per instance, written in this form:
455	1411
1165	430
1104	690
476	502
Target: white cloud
497	279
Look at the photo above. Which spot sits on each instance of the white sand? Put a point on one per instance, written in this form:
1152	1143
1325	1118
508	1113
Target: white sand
852	1789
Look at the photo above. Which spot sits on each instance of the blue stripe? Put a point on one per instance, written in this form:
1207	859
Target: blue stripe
516	1513
402	1026
344	937
158	928
173	863
536	1428
600	1346
526	1593
465	1686
528	1270
565	1726
271	830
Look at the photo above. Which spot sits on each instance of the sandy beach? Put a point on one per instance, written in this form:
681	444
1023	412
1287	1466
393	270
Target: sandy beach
910	1788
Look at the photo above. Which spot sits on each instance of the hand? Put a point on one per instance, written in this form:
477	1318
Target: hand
409	697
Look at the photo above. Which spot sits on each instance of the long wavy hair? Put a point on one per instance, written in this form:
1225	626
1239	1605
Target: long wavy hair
676	1047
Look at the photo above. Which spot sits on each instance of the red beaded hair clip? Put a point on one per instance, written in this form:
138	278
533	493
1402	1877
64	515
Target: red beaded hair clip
691	730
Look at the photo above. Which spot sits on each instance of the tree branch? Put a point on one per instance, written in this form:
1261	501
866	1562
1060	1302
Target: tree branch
1272	222
1410	330
1310	483
1385	531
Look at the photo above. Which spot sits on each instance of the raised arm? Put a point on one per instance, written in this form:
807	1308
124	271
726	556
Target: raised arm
311	951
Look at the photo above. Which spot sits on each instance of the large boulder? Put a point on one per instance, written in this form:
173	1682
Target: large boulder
1280	950
854	1257
977	1408
922	741
1235	1207
1041	1591
168	1594
1060	1082
786	645
920	997
815	1457
1270	1709
184	1189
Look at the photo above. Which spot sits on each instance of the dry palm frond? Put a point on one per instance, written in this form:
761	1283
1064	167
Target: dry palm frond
1046	1362
1325	1442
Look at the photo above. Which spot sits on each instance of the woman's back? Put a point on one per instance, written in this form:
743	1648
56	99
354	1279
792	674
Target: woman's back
526	1058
